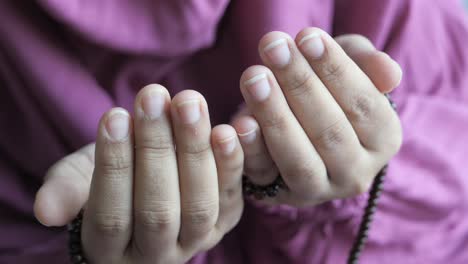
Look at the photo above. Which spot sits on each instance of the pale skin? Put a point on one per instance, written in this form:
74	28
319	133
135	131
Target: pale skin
319	120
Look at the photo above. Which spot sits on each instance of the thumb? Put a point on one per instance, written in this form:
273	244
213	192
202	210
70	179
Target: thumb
66	188
385	73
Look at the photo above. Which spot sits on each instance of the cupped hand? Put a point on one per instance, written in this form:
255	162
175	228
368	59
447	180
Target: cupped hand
161	186
317	115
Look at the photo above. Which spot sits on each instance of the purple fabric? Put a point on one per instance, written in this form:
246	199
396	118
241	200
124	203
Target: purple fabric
63	63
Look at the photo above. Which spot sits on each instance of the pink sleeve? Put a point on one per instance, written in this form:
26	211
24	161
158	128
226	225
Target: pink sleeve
160	27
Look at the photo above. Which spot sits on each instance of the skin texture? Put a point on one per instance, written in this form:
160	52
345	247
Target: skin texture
147	201
330	109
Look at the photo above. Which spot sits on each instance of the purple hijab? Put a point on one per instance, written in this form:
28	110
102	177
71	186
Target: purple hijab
64	63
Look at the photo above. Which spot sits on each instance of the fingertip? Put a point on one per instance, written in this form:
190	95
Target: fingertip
220	132
306	32
152	87
385	73
246	128
188	107
151	102
186	95
115	125
252	72
224	138
398	75
268	40
355	44
390	75
59	199
46	209
38	209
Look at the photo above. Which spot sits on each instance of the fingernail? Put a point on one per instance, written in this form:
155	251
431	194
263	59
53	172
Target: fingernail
278	52
248	137
189	111
117	124
228	145
258	87
312	45
152	104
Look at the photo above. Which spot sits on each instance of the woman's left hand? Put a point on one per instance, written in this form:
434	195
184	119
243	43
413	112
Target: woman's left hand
325	125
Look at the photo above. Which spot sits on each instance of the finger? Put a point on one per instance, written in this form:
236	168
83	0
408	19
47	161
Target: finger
157	198
66	188
315	108
368	110
243	110
298	161
197	168
107	218
258	165
385	73
229	163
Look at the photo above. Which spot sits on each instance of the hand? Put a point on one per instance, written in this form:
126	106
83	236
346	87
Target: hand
149	202
320	118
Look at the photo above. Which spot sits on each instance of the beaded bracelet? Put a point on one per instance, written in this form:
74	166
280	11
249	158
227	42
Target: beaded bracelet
370	209
74	240
259	192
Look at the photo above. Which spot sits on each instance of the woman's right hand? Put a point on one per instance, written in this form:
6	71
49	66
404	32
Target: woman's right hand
318	117
145	200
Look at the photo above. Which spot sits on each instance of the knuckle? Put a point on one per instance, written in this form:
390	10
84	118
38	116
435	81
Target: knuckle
201	214
333	136
361	108
275	121
333	72
115	156
197	151
158	147
115	166
300	83
109	224
158	218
